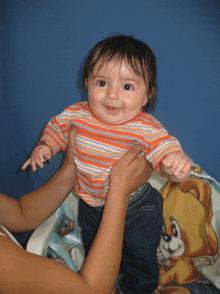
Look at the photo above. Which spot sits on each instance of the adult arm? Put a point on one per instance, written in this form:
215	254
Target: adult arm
35	207
23	272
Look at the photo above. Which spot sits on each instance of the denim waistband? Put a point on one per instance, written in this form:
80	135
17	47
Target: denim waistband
142	190
139	195
134	198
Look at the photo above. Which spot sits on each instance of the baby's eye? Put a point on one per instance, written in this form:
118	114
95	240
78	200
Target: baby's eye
102	83
128	87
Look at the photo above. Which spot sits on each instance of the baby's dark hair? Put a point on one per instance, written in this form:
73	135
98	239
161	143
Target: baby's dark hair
133	52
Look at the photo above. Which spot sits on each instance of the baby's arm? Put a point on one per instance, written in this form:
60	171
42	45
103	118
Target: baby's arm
55	136
42	153
176	166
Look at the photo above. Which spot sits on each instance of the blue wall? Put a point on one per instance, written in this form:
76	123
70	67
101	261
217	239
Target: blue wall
45	42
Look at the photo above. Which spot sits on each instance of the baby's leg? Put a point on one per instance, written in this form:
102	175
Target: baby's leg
143	230
89	220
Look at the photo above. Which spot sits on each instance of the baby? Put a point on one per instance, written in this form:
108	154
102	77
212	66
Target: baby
120	76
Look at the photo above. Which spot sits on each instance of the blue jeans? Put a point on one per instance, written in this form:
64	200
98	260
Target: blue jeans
143	228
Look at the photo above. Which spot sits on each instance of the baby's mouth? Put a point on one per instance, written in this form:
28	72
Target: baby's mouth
112	110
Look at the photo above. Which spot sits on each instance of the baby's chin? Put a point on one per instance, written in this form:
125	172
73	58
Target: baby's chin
114	115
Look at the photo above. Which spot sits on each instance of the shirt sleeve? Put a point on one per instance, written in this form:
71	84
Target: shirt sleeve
58	127
160	143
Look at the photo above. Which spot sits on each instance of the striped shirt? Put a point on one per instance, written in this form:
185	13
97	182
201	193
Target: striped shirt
99	145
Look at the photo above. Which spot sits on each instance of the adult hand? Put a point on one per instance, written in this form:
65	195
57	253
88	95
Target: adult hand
131	171
69	159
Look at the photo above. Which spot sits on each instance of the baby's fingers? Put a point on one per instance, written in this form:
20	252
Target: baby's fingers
33	165
168	160
178	166
187	166
28	162
181	165
38	158
178	163
31	162
41	157
39	161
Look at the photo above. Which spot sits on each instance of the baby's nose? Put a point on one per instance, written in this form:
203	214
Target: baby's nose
113	93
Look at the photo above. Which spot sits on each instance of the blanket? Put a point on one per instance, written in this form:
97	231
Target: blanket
188	254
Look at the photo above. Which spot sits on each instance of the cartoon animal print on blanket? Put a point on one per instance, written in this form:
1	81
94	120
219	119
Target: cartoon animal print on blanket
189	243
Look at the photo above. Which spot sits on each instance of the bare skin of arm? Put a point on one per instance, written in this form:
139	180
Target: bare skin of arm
34	208
42	153
23	272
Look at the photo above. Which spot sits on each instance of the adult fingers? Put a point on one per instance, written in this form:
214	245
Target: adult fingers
132	154
71	136
139	172
124	165
144	167
71	141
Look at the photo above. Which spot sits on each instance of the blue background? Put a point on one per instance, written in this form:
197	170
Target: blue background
43	46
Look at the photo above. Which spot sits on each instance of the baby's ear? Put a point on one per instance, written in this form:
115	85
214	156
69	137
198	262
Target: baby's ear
152	93
86	83
148	96
145	100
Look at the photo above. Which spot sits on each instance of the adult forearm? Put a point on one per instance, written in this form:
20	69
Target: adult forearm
102	264
99	271
35	207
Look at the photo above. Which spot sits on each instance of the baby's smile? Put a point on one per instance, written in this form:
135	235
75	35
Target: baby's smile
112	110
116	93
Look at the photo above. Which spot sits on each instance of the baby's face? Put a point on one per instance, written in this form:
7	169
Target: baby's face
116	93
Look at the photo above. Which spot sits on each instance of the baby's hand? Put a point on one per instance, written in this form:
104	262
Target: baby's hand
40	154
176	166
